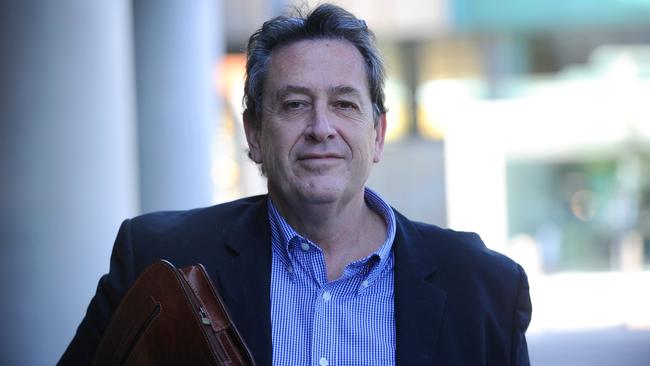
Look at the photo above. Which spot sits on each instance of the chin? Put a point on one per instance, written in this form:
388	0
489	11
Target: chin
320	197
321	193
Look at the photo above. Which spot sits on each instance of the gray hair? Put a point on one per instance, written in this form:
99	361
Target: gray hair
327	21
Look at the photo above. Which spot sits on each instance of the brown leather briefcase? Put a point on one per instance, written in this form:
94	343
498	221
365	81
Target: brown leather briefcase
172	316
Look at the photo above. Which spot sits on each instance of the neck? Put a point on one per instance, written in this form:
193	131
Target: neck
344	233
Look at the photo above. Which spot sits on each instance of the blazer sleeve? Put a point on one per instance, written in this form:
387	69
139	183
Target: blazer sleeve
111	289
521	319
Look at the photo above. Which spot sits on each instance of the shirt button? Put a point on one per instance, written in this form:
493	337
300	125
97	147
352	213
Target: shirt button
364	284
327	296
304	246
290	269
323	361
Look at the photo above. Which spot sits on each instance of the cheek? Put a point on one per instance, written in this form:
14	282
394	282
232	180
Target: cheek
276	147
369	143
285	139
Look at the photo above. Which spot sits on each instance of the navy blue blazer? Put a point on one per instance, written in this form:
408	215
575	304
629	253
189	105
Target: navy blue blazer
456	302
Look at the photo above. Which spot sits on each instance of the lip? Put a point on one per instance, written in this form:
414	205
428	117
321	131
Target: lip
319	157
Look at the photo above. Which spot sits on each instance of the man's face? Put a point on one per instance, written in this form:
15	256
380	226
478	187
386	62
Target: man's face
317	139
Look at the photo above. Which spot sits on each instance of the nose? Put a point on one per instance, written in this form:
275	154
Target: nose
320	127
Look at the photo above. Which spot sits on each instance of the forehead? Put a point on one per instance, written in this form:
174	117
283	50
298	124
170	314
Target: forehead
317	64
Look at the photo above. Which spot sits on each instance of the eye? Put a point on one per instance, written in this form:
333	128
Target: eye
345	105
294	105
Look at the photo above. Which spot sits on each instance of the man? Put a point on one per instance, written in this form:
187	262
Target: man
322	270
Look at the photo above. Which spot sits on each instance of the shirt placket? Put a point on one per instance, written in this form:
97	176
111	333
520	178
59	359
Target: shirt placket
323	321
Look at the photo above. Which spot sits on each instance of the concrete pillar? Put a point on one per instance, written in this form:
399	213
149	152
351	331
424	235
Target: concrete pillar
176	46
67	164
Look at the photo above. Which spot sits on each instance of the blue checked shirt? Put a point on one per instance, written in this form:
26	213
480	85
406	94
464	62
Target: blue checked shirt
349	321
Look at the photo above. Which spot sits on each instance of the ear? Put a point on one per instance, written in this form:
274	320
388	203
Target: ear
253	139
380	131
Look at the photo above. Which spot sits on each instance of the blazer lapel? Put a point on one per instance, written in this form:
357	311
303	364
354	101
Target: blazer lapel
245	281
419	304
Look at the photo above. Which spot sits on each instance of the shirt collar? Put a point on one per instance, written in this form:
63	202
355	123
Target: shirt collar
282	233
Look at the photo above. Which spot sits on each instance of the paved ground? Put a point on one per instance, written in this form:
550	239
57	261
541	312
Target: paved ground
602	347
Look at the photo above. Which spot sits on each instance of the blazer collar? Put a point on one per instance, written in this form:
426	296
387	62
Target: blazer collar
419	304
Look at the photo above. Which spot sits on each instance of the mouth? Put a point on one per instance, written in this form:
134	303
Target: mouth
318	157
319	162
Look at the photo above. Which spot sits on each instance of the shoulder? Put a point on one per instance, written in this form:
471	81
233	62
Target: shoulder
459	254
189	236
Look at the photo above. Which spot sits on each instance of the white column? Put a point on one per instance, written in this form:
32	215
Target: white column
67	164
176	46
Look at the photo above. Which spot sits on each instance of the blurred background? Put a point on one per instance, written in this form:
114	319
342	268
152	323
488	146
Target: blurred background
525	121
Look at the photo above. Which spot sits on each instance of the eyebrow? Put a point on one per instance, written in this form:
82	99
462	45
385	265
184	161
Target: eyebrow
335	90
290	89
345	90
